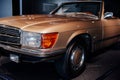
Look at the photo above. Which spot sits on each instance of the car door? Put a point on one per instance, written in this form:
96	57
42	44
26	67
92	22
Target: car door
111	30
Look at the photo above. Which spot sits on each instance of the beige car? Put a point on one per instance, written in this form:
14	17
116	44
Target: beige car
66	36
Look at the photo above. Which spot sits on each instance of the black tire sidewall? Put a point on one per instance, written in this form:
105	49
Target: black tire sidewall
63	64
70	49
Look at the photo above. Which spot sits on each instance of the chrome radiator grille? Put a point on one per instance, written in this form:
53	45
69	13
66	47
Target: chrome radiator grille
9	36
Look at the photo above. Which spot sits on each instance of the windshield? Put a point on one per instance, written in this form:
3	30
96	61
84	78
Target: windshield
79	8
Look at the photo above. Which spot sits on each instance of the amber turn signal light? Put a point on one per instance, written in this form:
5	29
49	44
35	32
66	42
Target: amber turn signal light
48	40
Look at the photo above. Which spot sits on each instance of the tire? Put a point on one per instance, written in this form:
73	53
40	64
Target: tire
73	62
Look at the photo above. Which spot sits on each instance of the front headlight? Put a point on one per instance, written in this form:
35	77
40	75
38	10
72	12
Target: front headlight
30	39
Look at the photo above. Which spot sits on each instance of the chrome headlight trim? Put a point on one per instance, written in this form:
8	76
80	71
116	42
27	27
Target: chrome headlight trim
30	39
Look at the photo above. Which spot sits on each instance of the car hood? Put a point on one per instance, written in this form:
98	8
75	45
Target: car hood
37	23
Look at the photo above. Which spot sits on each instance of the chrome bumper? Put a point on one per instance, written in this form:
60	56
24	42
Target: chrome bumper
35	53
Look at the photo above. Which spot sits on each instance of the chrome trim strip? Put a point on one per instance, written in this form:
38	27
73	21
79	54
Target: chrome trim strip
8	36
9	43
10	27
36	53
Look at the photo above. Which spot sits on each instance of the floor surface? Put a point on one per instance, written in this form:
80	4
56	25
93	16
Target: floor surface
105	66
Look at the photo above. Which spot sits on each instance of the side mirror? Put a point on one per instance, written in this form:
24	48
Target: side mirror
108	15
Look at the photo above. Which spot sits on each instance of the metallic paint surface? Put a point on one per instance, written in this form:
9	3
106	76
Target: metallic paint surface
68	28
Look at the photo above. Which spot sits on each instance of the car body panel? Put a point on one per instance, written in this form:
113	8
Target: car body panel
103	32
52	23
111	29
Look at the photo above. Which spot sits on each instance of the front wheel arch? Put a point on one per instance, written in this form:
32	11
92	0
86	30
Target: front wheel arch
85	39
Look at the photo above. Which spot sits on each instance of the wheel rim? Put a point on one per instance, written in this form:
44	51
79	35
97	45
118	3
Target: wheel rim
77	58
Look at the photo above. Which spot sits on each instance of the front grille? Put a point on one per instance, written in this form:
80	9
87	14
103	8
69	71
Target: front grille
9	36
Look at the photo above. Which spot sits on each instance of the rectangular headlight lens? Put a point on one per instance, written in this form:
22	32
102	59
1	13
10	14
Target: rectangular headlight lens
31	39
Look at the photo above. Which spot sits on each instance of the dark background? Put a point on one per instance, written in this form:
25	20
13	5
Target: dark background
113	6
36	6
19	7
